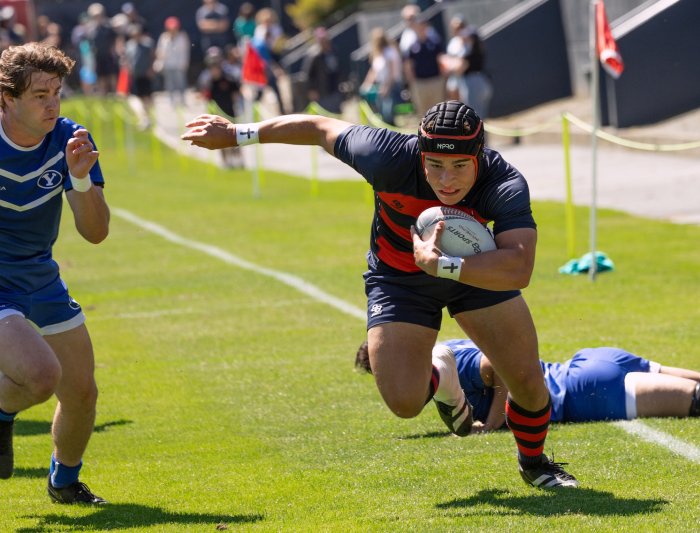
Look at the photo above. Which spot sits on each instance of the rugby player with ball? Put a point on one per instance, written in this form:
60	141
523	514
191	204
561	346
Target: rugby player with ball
410	280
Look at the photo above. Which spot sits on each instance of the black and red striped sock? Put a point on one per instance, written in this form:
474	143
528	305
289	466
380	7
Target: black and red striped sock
529	429
433	385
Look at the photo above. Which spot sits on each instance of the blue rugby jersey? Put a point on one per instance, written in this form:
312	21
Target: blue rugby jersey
589	386
391	164
468	358
32	181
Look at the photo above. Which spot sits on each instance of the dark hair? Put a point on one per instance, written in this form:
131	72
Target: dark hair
362	358
18	63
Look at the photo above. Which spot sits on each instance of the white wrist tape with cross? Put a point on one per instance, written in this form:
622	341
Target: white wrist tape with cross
246	134
449	267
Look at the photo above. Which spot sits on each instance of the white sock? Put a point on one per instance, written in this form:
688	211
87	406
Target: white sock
449	390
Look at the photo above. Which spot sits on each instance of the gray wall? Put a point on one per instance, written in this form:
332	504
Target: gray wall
660	50
528	66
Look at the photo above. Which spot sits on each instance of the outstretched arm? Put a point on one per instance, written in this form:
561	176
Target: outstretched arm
214	132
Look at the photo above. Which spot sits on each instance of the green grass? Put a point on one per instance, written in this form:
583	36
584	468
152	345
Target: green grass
229	398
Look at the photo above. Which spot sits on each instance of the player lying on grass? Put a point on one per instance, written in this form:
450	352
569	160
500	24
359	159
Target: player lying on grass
595	384
409	281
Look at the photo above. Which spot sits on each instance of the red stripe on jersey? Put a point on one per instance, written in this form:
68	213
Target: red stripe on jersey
411	206
401	231
394	258
526	420
405	204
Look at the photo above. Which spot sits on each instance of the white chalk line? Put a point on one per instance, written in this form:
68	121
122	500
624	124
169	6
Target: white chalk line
288	279
644	432
634	427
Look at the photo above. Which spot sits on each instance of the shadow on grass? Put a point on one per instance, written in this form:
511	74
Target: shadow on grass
99	428
126	515
552	503
35	473
27	428
428	435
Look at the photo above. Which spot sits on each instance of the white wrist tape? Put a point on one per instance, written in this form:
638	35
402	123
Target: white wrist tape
80	184
449	267
246	134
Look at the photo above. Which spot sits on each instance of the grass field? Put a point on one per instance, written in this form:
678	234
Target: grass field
228	399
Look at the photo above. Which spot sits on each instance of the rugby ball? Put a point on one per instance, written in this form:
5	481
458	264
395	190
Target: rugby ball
463	235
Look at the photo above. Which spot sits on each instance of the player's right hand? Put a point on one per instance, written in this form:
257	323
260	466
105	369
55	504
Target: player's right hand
210	131
426	252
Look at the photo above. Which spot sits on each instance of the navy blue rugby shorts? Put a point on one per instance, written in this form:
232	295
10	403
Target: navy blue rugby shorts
51	309
418	298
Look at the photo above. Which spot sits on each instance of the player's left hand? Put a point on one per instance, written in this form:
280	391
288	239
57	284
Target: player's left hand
80	154
426	253
210	131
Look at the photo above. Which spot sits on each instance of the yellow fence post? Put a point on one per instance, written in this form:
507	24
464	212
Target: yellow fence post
569	205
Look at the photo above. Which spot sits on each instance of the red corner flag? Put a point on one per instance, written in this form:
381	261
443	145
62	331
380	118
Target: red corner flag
606	47
253	67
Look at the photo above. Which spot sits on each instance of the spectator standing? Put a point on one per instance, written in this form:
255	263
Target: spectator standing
383	82
464	65
218	83
52	37
102	39
133	16
321	71
214	25
173	60
85	54
9	36
268	40
422	68
139	53
244	25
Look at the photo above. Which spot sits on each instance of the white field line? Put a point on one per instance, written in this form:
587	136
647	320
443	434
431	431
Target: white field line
633	427
644	432
288	279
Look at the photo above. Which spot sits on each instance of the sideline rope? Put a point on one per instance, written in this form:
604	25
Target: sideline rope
373	119
629	143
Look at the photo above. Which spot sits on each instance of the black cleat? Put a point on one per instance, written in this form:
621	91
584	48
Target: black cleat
547	475
74	493
7	456
458	418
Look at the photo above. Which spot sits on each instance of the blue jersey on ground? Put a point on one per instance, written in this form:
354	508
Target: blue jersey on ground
32	181
589	386
391	164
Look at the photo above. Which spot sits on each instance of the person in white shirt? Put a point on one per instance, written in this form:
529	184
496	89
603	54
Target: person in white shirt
173	59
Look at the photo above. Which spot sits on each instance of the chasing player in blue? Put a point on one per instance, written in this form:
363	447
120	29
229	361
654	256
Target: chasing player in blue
45	348
595	384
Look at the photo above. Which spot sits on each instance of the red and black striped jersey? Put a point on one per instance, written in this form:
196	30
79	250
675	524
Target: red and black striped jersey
391	164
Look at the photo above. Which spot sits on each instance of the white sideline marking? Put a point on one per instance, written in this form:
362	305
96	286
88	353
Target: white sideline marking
633	427
644	432
288	279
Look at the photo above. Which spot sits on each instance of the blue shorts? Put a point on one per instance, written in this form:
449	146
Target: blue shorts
51	308
595	384
418	298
